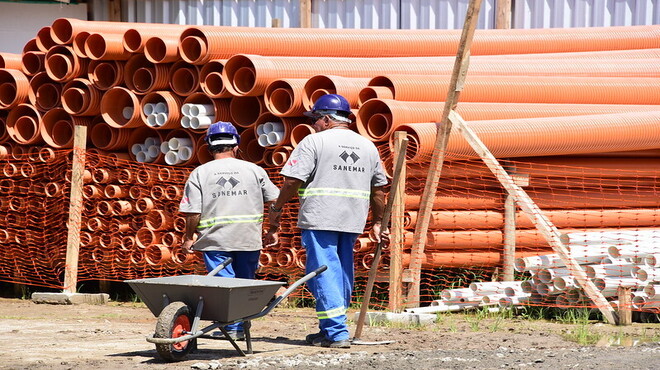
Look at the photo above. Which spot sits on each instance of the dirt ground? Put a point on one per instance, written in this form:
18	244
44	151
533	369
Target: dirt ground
112	336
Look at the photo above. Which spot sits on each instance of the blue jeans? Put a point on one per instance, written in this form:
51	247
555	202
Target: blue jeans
244	266
334	287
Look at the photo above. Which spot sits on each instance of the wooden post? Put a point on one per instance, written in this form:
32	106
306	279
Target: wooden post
542	223
114	10
503	14
625	305
276	23
444	128
396	233
509	231
75	209
306	13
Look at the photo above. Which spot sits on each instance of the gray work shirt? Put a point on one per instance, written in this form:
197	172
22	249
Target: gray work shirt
338	168
229	195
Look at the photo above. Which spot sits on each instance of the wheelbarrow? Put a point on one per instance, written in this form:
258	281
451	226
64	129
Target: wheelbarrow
181	302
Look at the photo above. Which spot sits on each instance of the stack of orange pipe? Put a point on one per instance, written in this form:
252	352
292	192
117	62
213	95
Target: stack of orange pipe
530	94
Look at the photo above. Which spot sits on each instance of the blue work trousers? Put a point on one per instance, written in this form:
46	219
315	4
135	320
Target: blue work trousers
244	265
334	287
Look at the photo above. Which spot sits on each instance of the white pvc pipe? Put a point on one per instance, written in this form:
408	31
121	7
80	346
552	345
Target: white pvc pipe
177	142
639	301
588	250
648	274
652	302
185	121
185	109
202	109
563	282
172	158
274	137
153	151
491	299
614	237
609	287
151	140
546	289
201	122
515	291
561	300
142	157
536	298
161	118
512	301
127	112
574	295
273	126
549	261
652	289
260	129
456	294
528	286
632	251
441	307
151	120
184	153
263	140
148	108
136	148
652	260
610	270
160	107
493	286
615	261
546	275
165	147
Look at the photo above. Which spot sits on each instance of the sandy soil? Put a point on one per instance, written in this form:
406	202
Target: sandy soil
40	336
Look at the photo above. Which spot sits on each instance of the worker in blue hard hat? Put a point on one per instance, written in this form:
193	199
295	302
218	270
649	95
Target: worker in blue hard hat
337	175
223	203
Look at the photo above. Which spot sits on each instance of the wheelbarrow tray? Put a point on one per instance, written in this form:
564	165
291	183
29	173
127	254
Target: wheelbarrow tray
225	299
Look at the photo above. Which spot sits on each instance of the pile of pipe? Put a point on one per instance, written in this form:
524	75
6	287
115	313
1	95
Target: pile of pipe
574	109
625	258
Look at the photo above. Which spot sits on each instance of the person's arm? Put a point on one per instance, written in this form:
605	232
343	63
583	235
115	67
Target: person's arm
190	233
288	191
378	231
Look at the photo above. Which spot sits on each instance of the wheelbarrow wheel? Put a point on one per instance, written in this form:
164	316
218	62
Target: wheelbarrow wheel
173	322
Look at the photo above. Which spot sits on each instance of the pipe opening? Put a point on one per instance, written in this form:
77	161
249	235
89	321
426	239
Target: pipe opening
192	48
244	79
155	49
378	125
132	40
95	46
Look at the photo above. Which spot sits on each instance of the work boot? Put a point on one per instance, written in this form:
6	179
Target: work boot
310	338
233	334
324	342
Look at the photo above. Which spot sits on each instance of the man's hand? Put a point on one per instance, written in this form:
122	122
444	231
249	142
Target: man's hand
274	218
188	244
378	233
271	238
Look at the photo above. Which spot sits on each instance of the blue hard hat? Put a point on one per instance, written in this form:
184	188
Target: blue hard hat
330	104
222	133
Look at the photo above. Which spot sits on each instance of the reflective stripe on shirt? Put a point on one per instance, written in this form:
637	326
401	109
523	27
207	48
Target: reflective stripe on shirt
339	311
348	193
203	224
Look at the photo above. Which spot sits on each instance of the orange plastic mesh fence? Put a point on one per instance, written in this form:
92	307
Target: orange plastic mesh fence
131	228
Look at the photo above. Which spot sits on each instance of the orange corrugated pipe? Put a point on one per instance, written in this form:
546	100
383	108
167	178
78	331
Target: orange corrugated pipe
599	54
202	151
378	118
288	123
186	134
299	132
81	98
524	89
280	155
250	74
157	254
78	44
144	205
135	38
23	125
210	79
43	93
106	137
44	40
32	62
63	30
143	76
11	60
450	200
202	43
184	78
120	108
105	46
57	127
62	64
221	106
467	259
476	239
163	48
173	103
284	97
245	110
320	85
105	74
31	45
14	88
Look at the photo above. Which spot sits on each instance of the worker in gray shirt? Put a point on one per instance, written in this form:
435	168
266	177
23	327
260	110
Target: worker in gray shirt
223	203
337	174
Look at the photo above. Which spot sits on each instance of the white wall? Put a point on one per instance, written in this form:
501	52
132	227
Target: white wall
19	22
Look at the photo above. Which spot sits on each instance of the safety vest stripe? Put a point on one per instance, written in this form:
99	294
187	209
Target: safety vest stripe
230	220
348	193
339	311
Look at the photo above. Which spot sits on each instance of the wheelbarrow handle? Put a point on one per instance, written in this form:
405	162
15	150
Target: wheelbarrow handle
289	290
219	267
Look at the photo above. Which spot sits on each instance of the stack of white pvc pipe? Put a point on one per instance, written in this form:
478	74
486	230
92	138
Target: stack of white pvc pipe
156	114
147	151
270	133
197	116
177	150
